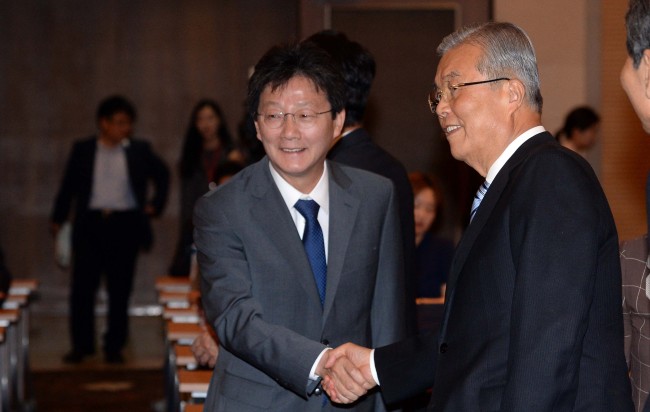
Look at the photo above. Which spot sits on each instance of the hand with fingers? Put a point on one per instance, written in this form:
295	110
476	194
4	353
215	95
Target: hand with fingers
347	375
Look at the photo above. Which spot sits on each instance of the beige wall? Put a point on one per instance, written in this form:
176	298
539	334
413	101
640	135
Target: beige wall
561	41
580	48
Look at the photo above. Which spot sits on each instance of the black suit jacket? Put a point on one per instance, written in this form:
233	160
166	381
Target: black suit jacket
533	311
144	167
358	150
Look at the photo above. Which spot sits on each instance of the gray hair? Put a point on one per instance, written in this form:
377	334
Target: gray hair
637	22
507	52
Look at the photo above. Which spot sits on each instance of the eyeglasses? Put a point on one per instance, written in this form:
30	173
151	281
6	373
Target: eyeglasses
436	96
304	119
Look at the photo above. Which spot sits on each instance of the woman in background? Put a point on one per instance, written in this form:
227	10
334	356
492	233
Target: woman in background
433	253
207	144
580	130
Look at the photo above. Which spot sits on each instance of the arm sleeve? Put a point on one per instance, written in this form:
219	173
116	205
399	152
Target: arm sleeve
406	368
68	189
159	175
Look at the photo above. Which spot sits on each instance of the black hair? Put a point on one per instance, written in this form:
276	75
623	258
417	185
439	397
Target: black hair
637	23
115	104
282	63
580	118
357	65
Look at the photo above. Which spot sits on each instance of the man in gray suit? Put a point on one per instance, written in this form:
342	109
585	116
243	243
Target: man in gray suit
280	286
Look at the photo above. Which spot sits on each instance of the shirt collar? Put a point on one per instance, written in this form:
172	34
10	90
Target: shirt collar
291	195
510	150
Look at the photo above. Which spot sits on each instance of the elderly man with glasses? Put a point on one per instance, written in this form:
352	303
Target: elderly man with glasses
532	317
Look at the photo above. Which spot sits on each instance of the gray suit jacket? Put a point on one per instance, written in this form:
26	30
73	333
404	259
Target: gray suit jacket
259	293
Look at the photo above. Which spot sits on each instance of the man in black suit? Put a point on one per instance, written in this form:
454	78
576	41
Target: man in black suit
355	148
106	178
532	317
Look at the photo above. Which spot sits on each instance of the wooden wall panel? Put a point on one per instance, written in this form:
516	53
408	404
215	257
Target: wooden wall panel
59	58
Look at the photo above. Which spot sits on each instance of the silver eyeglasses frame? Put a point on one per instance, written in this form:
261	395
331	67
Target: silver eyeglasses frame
305	118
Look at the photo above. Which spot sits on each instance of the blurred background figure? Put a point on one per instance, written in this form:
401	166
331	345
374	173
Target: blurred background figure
433	253
580	130
106	182
207	145
5	278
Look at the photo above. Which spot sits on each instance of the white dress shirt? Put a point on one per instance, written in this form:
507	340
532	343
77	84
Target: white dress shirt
320	194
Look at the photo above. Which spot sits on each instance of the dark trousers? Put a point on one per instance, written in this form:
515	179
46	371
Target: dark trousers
103	244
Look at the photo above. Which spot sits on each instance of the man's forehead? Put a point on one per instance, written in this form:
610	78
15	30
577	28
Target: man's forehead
457	62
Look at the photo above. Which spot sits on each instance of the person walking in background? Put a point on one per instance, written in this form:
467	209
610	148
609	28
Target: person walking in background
580	130
296	253
532	318
207	144
106	182
635	259
354	147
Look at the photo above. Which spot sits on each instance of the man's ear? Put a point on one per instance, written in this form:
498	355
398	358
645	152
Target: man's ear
516	93
257	130
339	121
644	69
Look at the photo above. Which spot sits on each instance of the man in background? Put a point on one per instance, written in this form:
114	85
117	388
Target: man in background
106	182
354	147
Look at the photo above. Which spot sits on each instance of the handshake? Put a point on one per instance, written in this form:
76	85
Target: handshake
345	373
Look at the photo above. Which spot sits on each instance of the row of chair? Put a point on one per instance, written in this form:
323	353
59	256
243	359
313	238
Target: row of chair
15	393
186	384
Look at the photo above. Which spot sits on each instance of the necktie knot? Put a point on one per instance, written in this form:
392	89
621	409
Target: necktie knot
307	208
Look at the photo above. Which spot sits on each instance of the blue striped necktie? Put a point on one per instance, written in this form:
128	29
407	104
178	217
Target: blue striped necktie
480	193
312	240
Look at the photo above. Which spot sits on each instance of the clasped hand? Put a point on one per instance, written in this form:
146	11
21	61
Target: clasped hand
346	373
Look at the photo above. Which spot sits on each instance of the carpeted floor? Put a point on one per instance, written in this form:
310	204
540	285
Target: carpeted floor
79	390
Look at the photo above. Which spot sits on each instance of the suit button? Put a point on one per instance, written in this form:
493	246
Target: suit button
443	347
325	342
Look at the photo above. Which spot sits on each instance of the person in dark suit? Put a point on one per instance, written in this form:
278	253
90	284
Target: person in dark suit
278	302
635	255
532	317
354	147
106	180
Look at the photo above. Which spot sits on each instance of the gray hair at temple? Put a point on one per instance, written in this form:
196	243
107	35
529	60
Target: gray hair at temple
637	22
507	52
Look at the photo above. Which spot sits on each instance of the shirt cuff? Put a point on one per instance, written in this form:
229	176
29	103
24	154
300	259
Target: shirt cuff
373	370
312	372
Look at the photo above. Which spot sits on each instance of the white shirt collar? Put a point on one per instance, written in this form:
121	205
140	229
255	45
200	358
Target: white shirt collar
510	150
291	195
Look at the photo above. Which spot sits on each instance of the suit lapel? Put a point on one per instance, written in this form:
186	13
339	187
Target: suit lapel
272	218
344	208
483	213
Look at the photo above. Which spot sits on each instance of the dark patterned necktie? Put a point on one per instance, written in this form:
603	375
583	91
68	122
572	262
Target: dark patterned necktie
477	198
314	244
